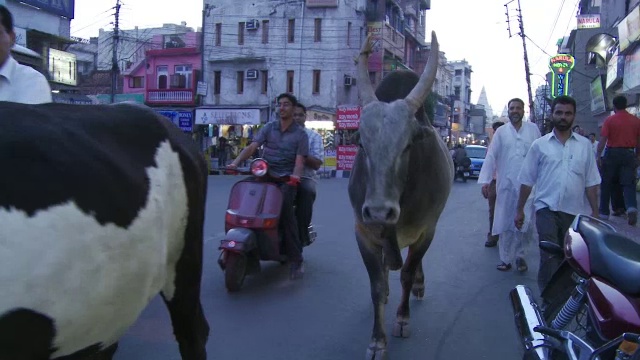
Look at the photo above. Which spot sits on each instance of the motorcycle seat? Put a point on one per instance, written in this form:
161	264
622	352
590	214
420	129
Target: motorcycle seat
613	256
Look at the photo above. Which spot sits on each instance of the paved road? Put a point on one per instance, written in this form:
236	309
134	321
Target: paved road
328	315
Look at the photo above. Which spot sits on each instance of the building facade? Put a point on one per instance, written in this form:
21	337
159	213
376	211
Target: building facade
462	95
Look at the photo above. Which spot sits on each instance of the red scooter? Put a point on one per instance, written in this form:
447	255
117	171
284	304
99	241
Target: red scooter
596	291
252	225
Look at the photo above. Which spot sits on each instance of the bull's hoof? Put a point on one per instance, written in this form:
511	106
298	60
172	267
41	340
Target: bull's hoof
377	351
418	291
401	329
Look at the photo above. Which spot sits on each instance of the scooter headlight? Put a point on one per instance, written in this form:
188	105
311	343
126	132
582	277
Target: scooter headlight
259	167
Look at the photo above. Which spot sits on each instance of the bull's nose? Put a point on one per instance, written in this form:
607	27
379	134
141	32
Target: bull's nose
381	214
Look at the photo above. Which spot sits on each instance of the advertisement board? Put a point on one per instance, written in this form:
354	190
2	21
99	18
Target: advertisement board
615	70
62	67
345	157
348	117
375	58
588	21
561	65
598	101
181	118
59	7
629	29
228	116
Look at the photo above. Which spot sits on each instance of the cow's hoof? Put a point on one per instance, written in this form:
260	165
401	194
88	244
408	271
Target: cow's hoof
401	329
418	291
377	351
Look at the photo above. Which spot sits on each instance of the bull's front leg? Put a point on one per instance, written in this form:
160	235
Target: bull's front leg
372	257
407	277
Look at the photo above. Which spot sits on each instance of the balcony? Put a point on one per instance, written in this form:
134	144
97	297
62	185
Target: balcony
171	97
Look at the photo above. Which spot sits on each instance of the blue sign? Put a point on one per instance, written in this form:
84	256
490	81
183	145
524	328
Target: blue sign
180	118
59	7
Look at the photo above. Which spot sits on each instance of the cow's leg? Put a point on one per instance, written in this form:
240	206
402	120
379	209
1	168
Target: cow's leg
182	295
372	257
418	283
407	275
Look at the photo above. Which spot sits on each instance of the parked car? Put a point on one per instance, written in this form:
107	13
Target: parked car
476	153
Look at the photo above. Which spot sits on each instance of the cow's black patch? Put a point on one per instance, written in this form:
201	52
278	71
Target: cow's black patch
93	155
26	334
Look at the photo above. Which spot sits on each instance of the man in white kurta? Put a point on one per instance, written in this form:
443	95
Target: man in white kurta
505	157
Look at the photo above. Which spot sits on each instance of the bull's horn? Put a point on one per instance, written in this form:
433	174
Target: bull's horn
364	82
419	93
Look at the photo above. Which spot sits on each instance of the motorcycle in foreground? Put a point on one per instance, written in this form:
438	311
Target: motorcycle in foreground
252	225
463	170
591	306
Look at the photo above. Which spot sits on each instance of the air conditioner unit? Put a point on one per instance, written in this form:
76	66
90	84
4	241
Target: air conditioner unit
252	74
349	81
252	24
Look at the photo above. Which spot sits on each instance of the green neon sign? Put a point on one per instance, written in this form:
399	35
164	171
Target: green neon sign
561	65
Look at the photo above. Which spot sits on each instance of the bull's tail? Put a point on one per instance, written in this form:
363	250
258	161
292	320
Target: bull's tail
391	249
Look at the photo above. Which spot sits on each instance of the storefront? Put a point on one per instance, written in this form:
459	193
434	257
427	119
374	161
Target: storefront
237	126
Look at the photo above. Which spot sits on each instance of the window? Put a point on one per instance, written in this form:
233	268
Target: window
265	80
290	81
162	73
292	30
240	82
217	79
185	71
316	81
349	34
218	34
458	72
317	34
265	31
456	92
136	82
241	33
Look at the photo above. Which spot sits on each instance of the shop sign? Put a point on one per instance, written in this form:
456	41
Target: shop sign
346	156
631	80
615	70
319	116
561	65
348	117
228	116
629	29
59	7
588	21
598	103
330	158
322	3
182	119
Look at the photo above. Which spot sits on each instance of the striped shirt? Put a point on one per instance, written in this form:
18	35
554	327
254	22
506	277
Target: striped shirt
316	150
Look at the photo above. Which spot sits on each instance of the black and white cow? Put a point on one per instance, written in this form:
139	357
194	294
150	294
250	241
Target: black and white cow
101	208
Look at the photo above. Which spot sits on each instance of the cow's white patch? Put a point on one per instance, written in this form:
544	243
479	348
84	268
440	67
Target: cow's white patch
94	280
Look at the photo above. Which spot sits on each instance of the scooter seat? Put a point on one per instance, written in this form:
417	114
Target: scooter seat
613	256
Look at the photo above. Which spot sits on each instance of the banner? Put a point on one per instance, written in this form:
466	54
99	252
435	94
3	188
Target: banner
348	117
375	59
346	155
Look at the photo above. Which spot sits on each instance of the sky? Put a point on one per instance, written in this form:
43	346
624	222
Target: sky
478	34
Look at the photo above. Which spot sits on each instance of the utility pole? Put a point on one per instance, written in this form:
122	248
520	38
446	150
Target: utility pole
532	113
114	59
206	11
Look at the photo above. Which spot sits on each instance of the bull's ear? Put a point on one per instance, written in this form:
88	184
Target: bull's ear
423	133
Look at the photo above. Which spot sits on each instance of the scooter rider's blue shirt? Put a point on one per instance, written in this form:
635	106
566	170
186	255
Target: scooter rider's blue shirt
282	147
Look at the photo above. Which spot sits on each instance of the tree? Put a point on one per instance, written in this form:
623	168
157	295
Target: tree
430	106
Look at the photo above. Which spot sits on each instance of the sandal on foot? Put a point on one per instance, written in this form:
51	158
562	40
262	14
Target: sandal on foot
521	265
504	267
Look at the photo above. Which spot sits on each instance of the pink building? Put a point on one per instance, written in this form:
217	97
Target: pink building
168	76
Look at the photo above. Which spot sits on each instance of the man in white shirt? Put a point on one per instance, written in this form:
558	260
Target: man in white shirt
307	189
509	146
562	167
18	83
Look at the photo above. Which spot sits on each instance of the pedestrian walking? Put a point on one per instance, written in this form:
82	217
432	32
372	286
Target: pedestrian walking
562	167
505	156
18	83
621	134
490	195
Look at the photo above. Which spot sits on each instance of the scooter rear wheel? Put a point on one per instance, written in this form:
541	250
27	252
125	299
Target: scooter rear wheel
235	271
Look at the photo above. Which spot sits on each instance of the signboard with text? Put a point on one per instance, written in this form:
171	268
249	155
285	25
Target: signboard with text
59	7
228	116
629	29
346	156
375	58
348	117
588	21
180	118
561	65
598	101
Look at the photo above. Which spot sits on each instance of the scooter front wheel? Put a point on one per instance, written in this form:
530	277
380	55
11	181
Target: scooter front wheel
235	271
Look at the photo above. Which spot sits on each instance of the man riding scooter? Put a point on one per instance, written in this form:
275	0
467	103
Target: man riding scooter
285	147
307	189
